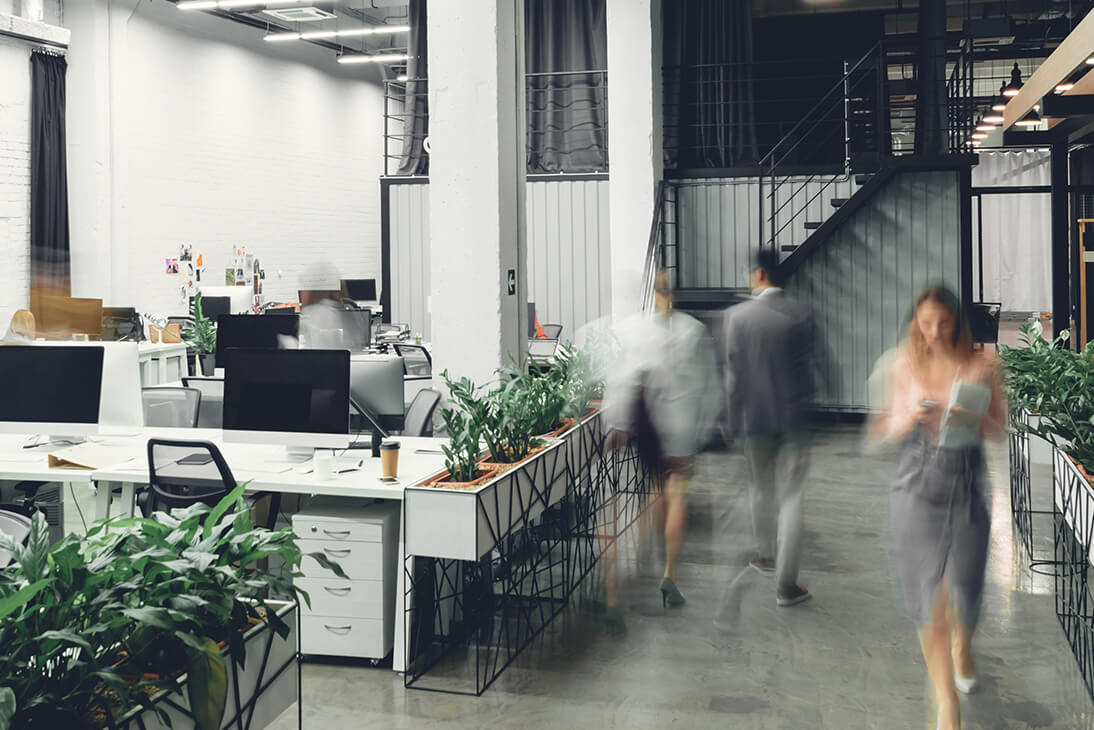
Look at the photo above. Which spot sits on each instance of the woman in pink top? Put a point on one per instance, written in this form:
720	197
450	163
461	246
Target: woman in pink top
940	516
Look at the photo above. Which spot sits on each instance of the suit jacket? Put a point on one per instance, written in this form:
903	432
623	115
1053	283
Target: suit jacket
769	354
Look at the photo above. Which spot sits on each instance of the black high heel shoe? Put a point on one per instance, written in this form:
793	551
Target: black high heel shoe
670	594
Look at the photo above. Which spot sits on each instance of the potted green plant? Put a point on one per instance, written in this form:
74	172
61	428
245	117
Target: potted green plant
202	337
95	631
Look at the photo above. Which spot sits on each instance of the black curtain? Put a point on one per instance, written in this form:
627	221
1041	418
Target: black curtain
414	160
49	244
566	57
709	114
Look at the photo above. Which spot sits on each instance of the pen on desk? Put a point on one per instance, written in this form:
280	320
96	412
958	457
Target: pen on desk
428	451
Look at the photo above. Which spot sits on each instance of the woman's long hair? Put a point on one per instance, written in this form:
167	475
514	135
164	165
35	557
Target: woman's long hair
962	334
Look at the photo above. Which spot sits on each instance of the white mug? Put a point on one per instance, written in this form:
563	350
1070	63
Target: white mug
323	463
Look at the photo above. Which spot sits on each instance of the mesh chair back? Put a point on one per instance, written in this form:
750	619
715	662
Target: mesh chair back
211	413
207	386
16	527
553	331
984	321
171	407
419	417
416	359
182	473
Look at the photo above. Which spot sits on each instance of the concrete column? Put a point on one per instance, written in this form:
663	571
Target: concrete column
634	140
476	186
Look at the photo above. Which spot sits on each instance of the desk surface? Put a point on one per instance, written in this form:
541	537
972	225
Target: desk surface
270	468
19	464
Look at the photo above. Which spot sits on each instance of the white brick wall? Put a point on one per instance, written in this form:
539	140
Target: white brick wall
14	178
215	138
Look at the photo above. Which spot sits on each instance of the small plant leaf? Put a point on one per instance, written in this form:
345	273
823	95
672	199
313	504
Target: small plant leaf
207	685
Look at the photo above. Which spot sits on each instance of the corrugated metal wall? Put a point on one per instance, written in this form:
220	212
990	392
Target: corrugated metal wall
862	282
408	208
719	219
569	272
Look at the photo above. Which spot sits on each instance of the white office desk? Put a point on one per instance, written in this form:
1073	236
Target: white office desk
18	464
268	468
162	362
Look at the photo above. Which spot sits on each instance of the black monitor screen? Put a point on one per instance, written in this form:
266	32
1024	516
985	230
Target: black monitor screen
121	323
297	391
213	307
360	290
51	384
249	330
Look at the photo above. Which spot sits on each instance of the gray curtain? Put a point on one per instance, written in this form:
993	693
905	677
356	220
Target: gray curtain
709	109
414	160
49	244
567	96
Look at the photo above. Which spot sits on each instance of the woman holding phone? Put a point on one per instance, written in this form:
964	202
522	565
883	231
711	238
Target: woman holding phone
944	399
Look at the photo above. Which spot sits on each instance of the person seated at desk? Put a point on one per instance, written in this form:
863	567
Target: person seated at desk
21	331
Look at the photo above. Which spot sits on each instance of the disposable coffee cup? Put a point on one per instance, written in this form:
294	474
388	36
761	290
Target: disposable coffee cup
389	459
323	464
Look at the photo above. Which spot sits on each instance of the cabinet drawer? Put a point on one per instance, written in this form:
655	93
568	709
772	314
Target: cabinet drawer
337	597
310	528
359	560
335	636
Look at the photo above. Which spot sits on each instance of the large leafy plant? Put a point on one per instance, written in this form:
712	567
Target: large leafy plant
203	335
1056	384
464	426
89	627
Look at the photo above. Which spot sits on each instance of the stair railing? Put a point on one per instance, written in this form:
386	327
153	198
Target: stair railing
655	248
865	142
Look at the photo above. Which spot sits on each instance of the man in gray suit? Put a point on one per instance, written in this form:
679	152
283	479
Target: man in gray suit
768	348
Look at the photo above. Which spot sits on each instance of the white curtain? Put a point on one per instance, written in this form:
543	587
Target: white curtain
1017	231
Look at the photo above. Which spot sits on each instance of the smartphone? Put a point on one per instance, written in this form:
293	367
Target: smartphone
197	459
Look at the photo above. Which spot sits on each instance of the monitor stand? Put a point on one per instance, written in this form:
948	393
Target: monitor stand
53	440
299	453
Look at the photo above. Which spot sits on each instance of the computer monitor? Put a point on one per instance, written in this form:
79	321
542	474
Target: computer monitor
309	297
376	385
281	310
120	404
241	298
299	398
121	323
58	318
251	331
51	389
359	290
213	307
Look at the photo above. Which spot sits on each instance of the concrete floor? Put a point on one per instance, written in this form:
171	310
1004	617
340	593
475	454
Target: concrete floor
846	659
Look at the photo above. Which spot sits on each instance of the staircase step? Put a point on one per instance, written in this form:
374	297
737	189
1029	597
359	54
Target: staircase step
788	248
812	225
862	179
838	202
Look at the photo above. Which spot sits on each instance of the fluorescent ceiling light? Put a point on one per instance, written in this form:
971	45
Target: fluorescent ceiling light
402	77
1090	61
379	58
235	4
1061	88
978	135
314	35
993	118
985	127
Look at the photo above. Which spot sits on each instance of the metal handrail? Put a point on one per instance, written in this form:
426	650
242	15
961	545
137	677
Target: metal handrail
649	271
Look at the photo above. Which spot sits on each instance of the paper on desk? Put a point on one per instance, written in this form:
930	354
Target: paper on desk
89	456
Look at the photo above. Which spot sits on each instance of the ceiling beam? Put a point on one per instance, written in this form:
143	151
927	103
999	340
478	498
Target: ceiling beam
1070	105
1064	61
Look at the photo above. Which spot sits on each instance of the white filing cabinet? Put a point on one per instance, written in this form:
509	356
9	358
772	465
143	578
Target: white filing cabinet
353	616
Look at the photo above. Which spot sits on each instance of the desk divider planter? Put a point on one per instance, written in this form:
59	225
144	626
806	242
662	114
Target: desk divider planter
1074	540
258	692
465	524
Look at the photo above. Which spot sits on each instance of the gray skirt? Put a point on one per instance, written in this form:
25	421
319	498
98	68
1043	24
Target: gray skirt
940	523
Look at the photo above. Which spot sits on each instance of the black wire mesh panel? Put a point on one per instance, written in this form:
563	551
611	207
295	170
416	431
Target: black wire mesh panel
1030	520
468	620
1074	523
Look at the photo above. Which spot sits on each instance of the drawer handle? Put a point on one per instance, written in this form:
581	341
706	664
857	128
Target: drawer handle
334	533
338	629
337	591
336	553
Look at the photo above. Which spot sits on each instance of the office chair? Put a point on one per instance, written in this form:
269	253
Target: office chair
416	359
183	473
984	322
211	412
419	417
171	407
553	331
16	527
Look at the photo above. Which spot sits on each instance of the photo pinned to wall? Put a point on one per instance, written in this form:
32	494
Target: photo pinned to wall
229	277
172	266
240	277
186	252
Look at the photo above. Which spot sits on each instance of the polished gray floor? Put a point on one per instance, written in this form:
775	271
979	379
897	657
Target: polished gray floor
846	659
